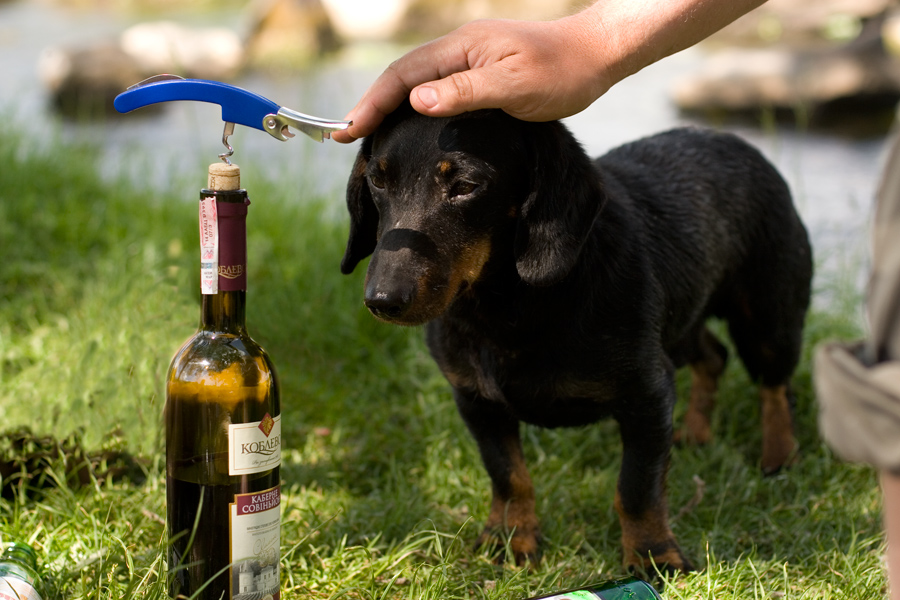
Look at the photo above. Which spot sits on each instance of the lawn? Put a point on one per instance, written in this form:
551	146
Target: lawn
384	493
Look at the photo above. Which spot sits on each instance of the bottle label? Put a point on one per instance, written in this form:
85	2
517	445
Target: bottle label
576	595
12	588
209	247
256	544
223	243
254	447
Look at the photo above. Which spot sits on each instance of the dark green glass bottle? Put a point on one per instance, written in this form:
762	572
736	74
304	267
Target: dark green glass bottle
19	578
630	588
223	429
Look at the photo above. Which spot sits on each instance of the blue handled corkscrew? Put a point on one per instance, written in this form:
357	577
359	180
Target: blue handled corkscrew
239	106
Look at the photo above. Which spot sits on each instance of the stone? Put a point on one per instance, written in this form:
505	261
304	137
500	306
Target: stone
288	34
84	80
799	20
860	74
432	18
196	52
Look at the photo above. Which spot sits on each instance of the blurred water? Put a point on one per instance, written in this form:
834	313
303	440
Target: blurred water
833	178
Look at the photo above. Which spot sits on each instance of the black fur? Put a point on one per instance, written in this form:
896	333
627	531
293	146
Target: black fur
558	291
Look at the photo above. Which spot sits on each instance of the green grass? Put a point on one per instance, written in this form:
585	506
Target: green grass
384	491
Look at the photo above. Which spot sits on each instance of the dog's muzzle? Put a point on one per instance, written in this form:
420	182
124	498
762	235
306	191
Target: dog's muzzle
389	304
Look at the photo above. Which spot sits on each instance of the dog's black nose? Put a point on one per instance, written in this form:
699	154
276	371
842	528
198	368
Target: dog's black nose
389	304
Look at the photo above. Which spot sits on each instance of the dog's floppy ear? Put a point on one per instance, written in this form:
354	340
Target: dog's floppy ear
363	214
563	201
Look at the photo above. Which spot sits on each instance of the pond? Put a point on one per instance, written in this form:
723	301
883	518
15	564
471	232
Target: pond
833	178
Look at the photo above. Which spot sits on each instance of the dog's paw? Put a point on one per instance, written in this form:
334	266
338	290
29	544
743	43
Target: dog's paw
778	456
667	560
522	545
779	446
696	431
689	436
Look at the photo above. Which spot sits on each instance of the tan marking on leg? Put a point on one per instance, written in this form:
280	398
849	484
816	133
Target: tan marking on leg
705	375
647	540
514	515
702	402
779	446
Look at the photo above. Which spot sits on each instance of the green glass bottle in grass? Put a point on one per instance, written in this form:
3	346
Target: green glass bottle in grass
223	425
630	588
19	578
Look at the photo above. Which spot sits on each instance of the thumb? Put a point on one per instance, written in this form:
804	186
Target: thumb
458	93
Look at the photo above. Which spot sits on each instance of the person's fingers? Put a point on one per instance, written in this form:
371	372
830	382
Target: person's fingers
366	117
460	92
517	66
382	97
429	62
343	137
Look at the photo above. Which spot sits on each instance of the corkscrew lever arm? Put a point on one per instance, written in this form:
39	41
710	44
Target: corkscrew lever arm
238	106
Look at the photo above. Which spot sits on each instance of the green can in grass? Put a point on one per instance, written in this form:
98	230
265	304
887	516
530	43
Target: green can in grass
617	589
19	578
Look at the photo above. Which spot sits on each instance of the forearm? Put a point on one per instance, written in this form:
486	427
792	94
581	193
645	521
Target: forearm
624	36
540	71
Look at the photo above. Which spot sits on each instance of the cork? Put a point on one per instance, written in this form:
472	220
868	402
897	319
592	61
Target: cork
224	178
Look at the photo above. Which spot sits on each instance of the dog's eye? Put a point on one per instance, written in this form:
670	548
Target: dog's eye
377	181
463	188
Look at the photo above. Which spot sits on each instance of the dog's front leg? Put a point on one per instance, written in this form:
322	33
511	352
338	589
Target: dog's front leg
641	492
512	516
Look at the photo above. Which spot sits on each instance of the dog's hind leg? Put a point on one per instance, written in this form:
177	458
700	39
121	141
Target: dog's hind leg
706	359
779	446
512	518
768	339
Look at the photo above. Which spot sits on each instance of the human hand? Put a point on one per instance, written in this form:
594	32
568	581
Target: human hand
539	71
535	71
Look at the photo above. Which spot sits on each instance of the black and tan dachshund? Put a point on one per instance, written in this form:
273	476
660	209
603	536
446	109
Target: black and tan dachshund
558	291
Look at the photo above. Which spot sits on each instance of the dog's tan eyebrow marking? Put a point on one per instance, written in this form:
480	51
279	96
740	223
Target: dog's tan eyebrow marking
382	164
361	167
444	166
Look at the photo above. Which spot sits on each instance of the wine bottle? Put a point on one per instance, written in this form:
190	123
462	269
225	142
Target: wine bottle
19	578
629	588
223	425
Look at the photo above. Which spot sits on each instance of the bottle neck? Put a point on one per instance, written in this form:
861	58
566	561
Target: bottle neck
21	553
224	311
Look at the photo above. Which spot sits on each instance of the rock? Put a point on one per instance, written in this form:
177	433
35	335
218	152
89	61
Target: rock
431	18
290	33
891	34
84	81
166	47
366	20
801	20
860	75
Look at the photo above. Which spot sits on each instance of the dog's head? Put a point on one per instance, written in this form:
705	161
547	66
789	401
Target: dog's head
440	202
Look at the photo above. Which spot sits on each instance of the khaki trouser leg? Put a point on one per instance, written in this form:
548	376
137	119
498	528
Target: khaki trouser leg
858	385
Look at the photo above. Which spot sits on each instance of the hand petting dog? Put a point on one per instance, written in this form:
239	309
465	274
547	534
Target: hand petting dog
539	71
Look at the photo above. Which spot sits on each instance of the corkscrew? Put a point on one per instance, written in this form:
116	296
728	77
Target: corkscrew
239	106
